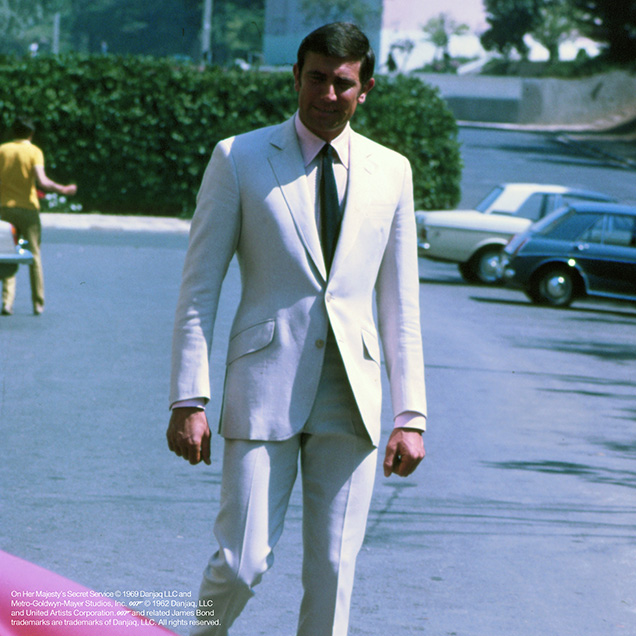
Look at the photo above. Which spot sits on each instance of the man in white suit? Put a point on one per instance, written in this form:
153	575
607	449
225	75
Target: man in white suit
303	363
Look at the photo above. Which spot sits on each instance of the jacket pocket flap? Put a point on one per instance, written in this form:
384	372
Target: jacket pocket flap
371	346
251	339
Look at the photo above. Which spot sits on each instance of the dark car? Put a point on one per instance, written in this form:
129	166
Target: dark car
585	249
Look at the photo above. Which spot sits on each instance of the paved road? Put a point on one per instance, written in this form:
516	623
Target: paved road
521	520
496	156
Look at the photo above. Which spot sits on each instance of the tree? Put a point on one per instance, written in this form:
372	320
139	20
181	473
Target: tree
362	12
403	48
23	22
556	23
439	30
510	21
169	27
161	27
238	27
611	22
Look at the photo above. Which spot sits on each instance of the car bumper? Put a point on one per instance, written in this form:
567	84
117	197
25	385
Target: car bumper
507	272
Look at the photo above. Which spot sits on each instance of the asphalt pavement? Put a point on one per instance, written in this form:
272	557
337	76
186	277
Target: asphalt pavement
497	541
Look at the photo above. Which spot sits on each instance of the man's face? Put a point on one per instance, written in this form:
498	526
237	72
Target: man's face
329	90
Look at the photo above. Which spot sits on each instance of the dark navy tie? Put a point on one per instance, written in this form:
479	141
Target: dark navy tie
330	216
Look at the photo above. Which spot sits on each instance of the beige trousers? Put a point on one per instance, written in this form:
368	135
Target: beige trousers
29	227
337	466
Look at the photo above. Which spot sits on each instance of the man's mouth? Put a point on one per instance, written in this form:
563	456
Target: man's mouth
326	111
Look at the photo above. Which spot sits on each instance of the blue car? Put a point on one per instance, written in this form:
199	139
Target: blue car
584	249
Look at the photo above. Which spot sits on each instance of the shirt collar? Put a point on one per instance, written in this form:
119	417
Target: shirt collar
311	145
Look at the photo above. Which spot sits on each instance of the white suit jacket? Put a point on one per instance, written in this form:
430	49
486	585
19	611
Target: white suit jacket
254	202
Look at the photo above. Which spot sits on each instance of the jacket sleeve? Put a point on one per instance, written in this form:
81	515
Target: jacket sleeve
397	295
213	240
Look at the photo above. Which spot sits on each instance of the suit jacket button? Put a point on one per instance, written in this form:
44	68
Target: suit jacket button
320	343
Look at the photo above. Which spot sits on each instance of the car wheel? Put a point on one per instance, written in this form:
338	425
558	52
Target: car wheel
553	287
483	267
466	270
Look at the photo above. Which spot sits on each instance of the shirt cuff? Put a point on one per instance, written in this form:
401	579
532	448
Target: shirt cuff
410	419
193	403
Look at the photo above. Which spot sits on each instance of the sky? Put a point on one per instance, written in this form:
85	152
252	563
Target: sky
413	14
404	19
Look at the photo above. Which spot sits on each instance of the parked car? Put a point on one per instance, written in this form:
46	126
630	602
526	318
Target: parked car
13	252
586	249
474	238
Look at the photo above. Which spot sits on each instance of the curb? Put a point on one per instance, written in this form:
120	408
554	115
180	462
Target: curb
71	221
597	141
587	145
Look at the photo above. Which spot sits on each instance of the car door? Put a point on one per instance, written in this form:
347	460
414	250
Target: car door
606	252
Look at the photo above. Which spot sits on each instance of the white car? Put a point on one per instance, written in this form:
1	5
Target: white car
474	238
12	251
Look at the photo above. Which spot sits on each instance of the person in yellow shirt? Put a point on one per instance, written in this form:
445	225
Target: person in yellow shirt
21	173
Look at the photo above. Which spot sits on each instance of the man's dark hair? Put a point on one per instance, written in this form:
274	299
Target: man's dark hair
22	128
342	40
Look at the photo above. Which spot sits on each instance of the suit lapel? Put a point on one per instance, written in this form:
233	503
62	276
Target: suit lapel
287	163
361	170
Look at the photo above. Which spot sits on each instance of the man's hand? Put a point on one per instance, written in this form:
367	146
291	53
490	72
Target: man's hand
189	434
404	451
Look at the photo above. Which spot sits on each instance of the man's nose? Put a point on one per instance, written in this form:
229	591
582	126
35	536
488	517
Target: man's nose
330	92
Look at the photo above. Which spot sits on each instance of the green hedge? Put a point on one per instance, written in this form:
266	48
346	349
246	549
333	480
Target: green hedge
136	133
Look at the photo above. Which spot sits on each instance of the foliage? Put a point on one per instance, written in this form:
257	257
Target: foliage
23	22
581	66
612	22
136	133
238	33
52	202
132	27
363	12
509	21
409	116
161	27
439	30
556	23
403	48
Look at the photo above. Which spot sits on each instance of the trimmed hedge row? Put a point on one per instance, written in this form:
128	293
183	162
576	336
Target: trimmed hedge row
136	133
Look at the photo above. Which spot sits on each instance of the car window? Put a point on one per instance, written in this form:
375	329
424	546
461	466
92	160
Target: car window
613	229
489	200
621	230
567	226
594	234
533	208
568	199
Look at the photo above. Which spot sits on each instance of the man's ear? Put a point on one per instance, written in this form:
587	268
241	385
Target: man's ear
365	90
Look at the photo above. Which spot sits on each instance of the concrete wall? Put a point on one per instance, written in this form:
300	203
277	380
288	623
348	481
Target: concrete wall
583	101
609	98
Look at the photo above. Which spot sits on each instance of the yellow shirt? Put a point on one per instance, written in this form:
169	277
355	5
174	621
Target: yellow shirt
17	174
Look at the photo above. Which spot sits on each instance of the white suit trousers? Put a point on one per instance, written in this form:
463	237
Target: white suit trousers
337	462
